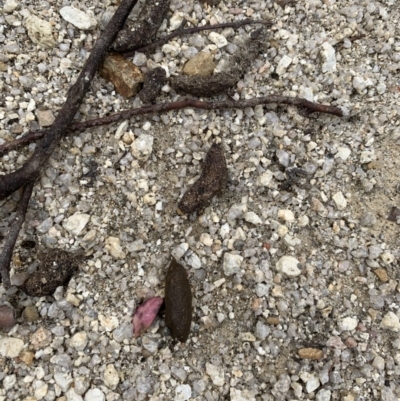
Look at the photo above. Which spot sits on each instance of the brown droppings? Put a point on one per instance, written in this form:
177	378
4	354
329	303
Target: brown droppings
212	181
238	64
154	80
204	86
394	214
310	353
381	274
7	317
56	268
141	31
273	320
178	302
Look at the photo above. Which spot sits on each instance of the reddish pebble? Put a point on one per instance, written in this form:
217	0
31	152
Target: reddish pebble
351	342
7	317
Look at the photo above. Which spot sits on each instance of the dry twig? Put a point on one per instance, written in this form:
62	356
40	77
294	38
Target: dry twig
30	170
12	235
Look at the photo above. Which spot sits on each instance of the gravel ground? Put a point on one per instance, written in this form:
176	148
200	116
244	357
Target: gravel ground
294	276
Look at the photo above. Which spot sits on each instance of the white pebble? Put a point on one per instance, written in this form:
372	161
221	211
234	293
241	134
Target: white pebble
329	56
303	221
180	250
387	257
76	223
108	322
288	266
111	377
193	261
142	147
340	200
183	392
348	323
40	32
232	263
79	341
218	39
264	179
78	18
283	64
176	20
391	322
216	374
343	153
252	218
287	215
312	384
113	245
95	394
10	5
360	84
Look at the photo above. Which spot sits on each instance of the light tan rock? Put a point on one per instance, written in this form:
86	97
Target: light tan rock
201	64
125	75
310	353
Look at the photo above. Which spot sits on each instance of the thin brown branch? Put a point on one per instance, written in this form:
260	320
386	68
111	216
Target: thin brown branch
23	140
188	31
311	107
12	235
30	170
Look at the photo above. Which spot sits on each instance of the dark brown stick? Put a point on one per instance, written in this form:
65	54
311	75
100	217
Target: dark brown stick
198	104
188	31
12	235
30	170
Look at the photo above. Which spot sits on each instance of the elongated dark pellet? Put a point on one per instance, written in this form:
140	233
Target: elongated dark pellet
212	181
178	302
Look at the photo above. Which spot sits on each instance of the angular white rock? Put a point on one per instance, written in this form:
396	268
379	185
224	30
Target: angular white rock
343	153
63	380
264	179
79	341
348	323
288	266
283	64
40	32
78	18
391	322
241	395
218	39
10	347
360	84
232	263
95	394
10	5
216	374
76	223
287	215
180	250
142	147
111	377
193	261
323	395
329	56
340	200
312	384
183	392
113	245
252	218
108	322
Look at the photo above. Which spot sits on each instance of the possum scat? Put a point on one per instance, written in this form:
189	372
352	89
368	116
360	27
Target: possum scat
55	269
212	181
154	80
178	302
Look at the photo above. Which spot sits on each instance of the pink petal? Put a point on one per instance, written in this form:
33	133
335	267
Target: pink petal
145	315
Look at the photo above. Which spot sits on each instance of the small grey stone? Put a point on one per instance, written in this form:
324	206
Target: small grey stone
76	223
95	394
142	147
323	395
183	392
231	264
